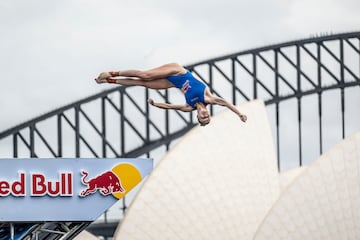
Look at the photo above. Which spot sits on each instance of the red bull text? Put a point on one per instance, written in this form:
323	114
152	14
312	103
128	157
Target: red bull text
40	185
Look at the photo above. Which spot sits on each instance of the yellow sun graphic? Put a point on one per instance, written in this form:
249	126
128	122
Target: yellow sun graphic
129	177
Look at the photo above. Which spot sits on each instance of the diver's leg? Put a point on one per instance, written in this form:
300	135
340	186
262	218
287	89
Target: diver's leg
148	75
157	84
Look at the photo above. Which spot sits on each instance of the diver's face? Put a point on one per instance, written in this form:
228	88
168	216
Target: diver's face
203	116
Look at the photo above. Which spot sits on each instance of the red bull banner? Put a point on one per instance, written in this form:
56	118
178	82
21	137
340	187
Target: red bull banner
66	189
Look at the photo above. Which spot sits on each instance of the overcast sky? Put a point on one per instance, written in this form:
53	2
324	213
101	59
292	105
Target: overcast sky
52	50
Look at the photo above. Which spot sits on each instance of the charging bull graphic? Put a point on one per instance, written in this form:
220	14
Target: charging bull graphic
107	183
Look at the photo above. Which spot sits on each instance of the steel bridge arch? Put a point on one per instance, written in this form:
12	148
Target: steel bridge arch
270	57
275	73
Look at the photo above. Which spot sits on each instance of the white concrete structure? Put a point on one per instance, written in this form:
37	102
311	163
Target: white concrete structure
288	176
221	182
217	183
323	202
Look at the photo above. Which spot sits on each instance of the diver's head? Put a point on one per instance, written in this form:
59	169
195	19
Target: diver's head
203	114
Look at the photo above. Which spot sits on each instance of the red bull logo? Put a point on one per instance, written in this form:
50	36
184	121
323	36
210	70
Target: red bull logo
87	187
107	183
118	181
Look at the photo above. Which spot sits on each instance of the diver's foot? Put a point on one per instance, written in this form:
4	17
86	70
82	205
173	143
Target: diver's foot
100	81
103	76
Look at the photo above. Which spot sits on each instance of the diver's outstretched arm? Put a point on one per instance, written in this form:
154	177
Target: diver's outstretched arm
222	102
184	108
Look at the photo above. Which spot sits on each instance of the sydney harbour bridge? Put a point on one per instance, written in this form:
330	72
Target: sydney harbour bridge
293	78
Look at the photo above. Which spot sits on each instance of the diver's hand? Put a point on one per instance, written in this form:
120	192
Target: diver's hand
243	117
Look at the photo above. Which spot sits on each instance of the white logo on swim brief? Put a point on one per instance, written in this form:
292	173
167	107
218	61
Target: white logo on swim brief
185	87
